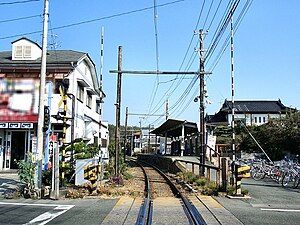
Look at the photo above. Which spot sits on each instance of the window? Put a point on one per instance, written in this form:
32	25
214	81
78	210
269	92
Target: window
264	119
98	108
22	52
18	52
27	52
259	119
255	119
80	93
89	101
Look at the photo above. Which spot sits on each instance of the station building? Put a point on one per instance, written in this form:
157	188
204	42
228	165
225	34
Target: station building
19	96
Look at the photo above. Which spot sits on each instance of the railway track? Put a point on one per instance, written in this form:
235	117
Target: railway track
154	176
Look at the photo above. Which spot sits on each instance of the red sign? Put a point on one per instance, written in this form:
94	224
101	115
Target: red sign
18	100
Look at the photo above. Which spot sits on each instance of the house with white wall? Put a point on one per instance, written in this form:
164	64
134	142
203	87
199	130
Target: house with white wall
249	112
19	94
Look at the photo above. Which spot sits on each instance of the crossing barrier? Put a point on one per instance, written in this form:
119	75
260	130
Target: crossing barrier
244	171
91	173
240	172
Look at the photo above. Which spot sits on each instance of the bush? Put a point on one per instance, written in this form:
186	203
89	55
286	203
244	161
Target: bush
26	171
210	189
200	182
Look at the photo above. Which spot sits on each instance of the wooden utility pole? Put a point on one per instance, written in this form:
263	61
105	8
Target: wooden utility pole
118	107
125	139
40	135
200	73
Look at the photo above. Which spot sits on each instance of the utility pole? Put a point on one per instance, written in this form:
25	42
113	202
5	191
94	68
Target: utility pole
232	89
118	107
125	140
202	120
167	116
40	134
149	138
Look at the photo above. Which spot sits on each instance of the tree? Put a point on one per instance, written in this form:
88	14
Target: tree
278	137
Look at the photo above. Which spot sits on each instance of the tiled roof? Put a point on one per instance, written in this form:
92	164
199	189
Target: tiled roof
254	106
53	57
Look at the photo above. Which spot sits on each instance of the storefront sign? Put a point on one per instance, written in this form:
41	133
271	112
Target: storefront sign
16	125
18	100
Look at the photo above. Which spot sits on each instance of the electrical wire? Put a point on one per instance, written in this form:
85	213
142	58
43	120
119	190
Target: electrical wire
18	2
156	84
20	18
167	92
94	20
212	2
236	26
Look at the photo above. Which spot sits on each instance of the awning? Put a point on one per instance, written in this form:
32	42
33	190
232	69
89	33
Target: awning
173	128
82	82
91	91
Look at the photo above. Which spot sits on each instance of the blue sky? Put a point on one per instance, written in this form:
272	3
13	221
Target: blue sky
267	49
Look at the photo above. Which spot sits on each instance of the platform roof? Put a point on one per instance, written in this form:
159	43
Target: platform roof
173	128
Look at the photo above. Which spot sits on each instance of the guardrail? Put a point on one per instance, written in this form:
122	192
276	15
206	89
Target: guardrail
208	169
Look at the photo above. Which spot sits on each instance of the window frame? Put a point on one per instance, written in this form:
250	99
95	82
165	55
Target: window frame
80	93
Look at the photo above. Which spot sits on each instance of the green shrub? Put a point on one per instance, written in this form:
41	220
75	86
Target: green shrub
210	189
26	171
127	175
230	190
245	192
200	182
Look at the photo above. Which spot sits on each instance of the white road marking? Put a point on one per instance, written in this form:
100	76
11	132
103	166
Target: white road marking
33	204
282	210
45	217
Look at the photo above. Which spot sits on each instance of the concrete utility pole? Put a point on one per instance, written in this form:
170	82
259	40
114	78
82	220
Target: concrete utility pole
118	107
202	120
40	134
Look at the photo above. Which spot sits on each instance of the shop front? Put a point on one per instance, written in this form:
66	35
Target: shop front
15	143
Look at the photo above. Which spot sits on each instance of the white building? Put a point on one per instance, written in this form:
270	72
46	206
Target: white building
249	112
19	84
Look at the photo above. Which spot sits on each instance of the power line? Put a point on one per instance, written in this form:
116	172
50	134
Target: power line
167	92
94	20
214	14
208	13
18	2
236	26
156	83
20	18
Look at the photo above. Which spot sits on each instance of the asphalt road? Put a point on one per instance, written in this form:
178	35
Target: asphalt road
269	204
63	212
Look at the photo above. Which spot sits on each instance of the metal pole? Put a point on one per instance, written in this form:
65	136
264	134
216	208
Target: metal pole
46	160
40	135
72	130
232	91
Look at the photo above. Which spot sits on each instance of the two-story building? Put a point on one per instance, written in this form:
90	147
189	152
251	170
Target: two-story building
19	94
250	112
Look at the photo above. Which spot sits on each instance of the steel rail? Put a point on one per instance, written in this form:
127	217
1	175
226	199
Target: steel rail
190	210
146	209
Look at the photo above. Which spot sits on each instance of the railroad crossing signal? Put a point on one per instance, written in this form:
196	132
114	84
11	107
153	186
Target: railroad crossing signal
46	118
